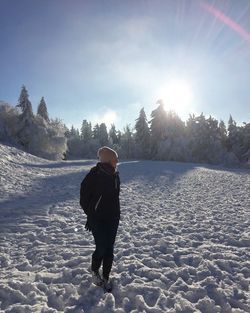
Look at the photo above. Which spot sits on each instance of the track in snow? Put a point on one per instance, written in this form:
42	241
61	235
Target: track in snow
182	246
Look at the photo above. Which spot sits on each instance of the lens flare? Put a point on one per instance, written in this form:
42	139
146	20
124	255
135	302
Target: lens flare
226	20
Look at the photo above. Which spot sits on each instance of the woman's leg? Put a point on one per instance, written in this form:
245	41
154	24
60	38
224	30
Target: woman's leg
111	231
99	233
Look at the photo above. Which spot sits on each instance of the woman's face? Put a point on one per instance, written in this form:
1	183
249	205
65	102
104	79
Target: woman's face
114	161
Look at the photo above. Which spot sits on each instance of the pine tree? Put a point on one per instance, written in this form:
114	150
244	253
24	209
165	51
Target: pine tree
67	131
96	131
158	122
246	142
119	136
173	146
223	133
103	134
231	124
127	142
42	110
158	126
25	104
113	135
26	119
74	132
239	139
205	139
175	126
86	131
142	134
232	133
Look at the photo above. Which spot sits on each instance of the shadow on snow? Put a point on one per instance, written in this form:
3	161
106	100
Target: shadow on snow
45	193
60	164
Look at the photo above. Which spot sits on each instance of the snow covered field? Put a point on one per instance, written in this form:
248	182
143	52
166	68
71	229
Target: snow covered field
183	243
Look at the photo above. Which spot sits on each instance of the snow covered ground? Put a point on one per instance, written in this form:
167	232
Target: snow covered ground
183	243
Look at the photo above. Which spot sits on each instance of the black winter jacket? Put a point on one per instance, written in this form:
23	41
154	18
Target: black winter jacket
99	194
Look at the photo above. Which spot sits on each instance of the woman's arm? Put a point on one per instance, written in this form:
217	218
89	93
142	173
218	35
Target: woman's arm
86	192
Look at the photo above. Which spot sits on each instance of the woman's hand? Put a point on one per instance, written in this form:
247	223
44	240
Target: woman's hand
87	226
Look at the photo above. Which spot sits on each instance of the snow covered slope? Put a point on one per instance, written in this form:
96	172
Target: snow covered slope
183	243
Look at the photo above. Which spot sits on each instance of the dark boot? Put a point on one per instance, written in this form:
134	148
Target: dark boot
106	267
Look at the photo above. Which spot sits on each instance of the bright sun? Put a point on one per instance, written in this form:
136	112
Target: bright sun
177	95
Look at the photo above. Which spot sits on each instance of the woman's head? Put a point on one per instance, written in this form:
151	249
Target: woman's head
108	155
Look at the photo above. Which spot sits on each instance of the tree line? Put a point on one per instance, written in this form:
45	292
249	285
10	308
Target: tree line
164	137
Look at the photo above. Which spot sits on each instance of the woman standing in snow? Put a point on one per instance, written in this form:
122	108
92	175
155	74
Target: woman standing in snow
99	198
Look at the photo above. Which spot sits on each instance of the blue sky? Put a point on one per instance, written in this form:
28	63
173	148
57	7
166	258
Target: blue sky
104	60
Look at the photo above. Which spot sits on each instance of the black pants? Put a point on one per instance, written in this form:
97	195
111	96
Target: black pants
104	234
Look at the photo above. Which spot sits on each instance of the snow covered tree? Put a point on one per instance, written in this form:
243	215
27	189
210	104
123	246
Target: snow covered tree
42	110
235	138
24	104
26	119
245	157
113	135
205	139
127	143
177	150
74	143
142	135
231	123
9	123
43	139
67	132
119	136
33	133
166	130
57	140
96	131
74	132
158	122
175	127
103	134
86	131
196	133
232	133
158	127
223	133
174	147
74	148
85	144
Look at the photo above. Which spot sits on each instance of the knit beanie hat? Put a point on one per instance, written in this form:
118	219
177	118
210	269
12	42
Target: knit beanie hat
106	154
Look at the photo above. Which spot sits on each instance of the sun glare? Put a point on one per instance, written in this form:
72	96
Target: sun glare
177	95
109	117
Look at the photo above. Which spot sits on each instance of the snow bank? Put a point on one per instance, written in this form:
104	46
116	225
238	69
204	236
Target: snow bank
183	242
